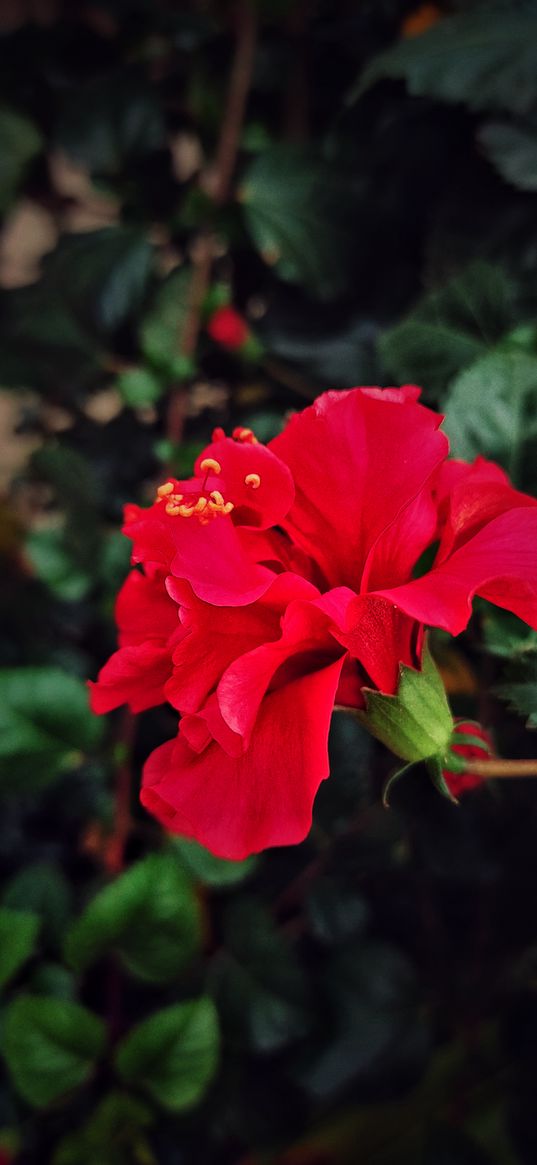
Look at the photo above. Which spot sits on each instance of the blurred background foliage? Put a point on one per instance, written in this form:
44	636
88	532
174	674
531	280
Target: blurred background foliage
358	181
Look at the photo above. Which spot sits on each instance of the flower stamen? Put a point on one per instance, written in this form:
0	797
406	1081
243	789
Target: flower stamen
253	480
209	465
245	436
198	504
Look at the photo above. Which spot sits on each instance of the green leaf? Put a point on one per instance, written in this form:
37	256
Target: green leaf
53	564
162	330
504	634
53	979
204	867
449	328
20	141
520	690
41	888
335	912
371	1006
45	723
73	562
43	345
487	60
416	723
18	933
139	387
259	986
149	916
50	1046
512	149
173	1055
491	408
111	122
114	1135
101	275
297	211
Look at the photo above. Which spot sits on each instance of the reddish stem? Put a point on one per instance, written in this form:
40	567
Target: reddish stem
115	851
224	166
237	96
501	768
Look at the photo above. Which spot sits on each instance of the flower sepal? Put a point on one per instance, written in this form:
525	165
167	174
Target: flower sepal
435	766
416	723
448	770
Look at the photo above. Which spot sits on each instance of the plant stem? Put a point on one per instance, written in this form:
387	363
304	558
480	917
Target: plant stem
237	96
501	768
115	850
219	184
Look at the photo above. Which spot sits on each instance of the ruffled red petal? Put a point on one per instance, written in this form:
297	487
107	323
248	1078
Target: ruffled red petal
358	458
499	563
237	806
133	675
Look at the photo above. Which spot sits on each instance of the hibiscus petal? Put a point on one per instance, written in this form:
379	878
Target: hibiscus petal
476	497
380	637
357	459
398	548
236	806
144	609
219	635
499	563
262	502
133	675
306	644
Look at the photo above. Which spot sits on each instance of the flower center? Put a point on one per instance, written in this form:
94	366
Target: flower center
203	504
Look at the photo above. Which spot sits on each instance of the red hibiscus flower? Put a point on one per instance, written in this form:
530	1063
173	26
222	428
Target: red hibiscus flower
228	328
280	580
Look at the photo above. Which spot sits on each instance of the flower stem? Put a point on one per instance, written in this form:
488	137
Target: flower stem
218	184
237	96
501	768
115	850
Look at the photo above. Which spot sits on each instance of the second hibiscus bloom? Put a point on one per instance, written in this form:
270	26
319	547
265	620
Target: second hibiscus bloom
281	580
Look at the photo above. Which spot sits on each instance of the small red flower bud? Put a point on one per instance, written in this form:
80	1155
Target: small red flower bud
228	328
420	20
459	783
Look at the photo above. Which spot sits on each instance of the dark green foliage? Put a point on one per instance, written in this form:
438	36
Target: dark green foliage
110	122
173	1054
37	739
512	149
18	932
450	328
297	210
19	142
149	916
368	996
115	1134
520	688
484	58
51	1046
258	984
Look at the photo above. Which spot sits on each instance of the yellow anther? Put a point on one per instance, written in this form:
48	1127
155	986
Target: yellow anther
173	509
164	490
200	505
185	511
217	497
253	479
246	436
209	465
227	507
